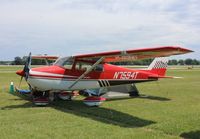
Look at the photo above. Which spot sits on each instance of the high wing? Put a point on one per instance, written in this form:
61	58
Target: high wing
135	54
45	57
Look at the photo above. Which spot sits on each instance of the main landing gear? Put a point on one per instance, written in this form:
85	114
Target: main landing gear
40	98
44	98
89	100
94	100
93	97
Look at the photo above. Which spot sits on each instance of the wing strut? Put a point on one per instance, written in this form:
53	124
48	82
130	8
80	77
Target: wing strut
86	72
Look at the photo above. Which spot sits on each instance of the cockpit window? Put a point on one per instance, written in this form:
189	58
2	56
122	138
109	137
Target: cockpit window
85	66
66	62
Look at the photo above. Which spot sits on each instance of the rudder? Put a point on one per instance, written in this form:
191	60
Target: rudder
159	66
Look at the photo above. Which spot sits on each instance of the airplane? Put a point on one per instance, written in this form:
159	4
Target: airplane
93	75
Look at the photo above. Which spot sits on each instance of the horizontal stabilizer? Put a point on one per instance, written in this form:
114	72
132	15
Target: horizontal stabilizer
157	76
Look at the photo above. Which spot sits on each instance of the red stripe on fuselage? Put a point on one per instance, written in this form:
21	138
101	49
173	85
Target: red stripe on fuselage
54	77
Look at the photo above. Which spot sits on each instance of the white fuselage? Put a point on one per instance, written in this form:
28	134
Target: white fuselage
55	82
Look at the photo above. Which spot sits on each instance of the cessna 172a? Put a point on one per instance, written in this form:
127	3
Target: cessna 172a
92	74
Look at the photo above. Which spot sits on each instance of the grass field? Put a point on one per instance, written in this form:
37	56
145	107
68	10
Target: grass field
170	109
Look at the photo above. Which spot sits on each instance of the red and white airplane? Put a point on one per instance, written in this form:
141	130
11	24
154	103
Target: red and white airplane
92	74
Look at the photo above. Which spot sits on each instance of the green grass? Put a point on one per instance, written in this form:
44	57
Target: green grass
170	109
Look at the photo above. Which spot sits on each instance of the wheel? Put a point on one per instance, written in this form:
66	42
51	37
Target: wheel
40	98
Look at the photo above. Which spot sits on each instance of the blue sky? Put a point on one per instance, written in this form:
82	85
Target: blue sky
69	27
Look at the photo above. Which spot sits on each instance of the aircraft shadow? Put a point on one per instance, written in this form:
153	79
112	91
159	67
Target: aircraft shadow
105	115
191	135
154	97
101	114
157	98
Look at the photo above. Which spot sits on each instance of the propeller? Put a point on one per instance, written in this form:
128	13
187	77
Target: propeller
27	66
25	72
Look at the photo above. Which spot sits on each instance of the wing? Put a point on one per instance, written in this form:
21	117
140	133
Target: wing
135	54
45	57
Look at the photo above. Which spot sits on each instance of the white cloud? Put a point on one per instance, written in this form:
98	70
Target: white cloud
51	26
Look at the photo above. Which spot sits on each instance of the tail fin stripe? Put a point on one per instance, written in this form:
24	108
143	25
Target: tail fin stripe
159	63
158	66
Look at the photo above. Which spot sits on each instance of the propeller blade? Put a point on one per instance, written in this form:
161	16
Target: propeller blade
20	81
27	66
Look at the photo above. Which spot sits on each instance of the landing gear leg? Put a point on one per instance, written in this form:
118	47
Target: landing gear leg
134	91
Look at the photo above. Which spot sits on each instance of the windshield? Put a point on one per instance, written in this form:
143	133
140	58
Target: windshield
66	62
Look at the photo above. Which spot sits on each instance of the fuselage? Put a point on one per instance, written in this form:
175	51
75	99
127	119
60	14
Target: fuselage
58	78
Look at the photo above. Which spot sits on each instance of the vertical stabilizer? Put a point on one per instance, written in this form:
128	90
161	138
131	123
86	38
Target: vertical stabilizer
159	66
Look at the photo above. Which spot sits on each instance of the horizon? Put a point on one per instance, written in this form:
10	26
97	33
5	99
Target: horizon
74	27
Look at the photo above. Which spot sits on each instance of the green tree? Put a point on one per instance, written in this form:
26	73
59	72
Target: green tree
195	62
173	62
181	62
17	61
188	61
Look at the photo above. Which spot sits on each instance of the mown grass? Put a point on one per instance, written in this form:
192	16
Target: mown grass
169	108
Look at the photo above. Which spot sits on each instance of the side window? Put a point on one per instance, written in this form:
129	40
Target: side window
78	66
68	64
85	66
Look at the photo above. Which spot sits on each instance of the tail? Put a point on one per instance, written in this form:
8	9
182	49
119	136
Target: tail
159	66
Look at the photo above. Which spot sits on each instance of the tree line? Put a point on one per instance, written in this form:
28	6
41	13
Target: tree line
21	61
187	61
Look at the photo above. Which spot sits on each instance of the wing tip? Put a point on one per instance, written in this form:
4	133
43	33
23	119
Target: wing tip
179	48
185	50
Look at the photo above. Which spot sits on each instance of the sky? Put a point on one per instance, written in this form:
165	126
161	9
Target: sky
70	27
